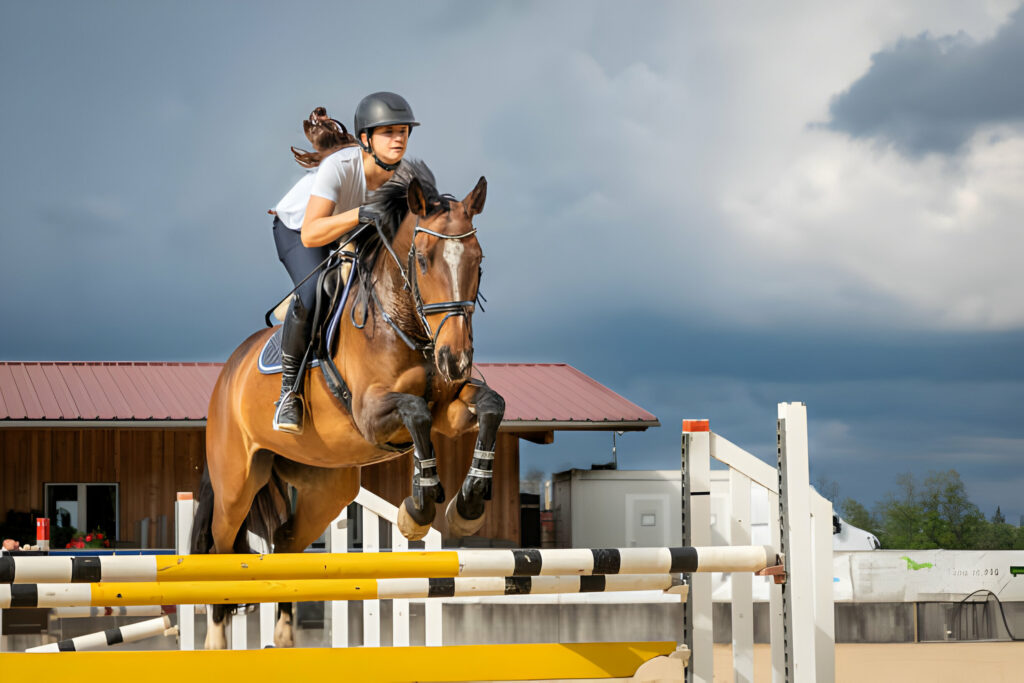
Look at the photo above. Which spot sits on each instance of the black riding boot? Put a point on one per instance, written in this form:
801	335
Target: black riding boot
294	340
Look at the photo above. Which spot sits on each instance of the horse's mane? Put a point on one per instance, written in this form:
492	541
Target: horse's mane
390	201
390	204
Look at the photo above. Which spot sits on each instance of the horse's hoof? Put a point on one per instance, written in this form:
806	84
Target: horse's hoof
408	526
459	526
215	639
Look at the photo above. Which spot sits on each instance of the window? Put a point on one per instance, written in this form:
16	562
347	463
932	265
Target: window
81	507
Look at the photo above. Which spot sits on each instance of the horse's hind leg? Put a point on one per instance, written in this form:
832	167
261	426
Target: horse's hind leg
236	481
465	514
321	495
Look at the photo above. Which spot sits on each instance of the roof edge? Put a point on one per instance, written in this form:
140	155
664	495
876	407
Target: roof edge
72	424
578	425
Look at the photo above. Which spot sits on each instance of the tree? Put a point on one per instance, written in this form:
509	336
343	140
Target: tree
532	481
858	515
937	514
999	535
998	517
828	488
901	516
952	521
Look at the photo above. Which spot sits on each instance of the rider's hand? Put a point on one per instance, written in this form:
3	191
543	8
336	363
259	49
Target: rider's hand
368	214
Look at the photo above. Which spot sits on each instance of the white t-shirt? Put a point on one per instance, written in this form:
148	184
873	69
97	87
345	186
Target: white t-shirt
339	177
292	207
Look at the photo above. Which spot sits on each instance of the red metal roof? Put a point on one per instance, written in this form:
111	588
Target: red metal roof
558	396
537	396
105	391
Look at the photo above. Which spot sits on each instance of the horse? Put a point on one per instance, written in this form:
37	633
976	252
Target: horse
403	358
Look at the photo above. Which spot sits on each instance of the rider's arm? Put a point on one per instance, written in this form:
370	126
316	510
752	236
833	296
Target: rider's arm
320	226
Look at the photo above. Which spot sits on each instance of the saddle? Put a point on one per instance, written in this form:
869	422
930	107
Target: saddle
333	285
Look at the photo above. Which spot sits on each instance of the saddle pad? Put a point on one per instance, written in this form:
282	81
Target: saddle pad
270	356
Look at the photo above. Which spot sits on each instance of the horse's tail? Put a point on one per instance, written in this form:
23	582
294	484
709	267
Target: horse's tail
267	513
202	522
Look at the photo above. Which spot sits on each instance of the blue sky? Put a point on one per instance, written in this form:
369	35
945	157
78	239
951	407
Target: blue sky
710	208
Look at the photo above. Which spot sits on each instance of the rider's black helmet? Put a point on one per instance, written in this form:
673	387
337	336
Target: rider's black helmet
383	109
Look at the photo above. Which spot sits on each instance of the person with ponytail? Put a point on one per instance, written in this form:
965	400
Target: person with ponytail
322	207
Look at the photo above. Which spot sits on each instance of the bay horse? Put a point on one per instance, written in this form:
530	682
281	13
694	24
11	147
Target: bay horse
404	356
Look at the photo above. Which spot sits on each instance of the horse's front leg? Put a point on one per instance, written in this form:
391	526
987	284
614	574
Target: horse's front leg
392	410
465	514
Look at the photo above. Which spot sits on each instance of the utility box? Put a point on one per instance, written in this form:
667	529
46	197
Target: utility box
616	508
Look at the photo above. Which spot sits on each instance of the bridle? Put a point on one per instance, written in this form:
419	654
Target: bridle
408	273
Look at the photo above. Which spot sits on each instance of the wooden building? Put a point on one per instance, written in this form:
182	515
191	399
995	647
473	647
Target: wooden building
107	445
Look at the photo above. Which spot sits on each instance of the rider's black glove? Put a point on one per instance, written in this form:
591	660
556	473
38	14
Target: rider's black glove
368	214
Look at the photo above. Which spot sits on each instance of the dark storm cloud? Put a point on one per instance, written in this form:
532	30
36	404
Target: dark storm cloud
930	94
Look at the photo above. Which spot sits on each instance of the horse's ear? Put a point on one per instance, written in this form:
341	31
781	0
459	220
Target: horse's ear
474	201
417	200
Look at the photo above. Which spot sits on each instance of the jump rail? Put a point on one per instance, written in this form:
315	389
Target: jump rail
435	564
31	595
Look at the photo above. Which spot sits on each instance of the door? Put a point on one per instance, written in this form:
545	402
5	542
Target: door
647	520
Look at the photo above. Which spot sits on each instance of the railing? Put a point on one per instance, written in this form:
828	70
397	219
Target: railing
373	510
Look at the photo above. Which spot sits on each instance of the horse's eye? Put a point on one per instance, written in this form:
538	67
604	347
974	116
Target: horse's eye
422	261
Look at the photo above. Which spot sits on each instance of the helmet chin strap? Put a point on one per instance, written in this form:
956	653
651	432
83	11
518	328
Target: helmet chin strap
368	147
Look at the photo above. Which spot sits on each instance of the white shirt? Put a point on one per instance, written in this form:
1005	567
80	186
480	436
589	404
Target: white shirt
339	178
292	207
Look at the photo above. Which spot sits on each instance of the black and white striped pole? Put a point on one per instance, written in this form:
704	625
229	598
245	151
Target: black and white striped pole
112	636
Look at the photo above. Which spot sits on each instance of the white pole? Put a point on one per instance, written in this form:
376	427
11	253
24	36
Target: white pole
824	607
433	633
399	606
798	591
776	615
114	636
697	628
742	582
184	511
337	610
371	608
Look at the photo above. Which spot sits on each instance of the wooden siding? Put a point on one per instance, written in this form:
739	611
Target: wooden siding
151	465
392	481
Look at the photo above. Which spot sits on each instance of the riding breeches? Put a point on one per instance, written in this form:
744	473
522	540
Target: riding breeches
299	260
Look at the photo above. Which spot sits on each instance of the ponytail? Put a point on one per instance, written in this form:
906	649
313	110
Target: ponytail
327	136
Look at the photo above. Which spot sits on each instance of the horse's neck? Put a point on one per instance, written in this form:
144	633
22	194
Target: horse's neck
396	300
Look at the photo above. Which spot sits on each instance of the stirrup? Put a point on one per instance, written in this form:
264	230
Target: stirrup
289	428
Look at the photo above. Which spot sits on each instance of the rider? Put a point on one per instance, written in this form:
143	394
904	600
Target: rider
383	122
327	136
